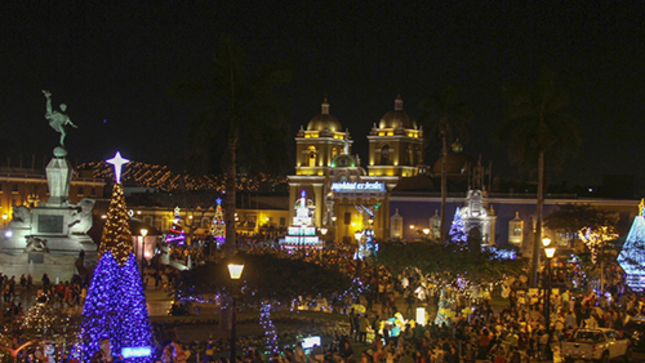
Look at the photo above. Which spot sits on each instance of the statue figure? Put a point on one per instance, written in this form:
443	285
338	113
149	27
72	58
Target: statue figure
21	218
35	244
57	120
81	218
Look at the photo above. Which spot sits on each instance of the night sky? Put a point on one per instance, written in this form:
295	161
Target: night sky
112	63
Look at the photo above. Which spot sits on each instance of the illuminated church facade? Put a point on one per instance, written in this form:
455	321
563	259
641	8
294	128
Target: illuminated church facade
349	198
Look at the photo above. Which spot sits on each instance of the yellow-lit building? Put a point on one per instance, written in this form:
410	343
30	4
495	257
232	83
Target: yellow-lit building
346	196
396	145
28	187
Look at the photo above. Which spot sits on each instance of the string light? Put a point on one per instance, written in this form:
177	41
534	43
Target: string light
270	332
115	306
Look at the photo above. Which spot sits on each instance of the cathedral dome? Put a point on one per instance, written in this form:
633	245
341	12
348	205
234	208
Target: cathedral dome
397	118
324	121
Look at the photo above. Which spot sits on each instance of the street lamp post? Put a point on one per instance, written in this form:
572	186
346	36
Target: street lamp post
5	216
144	233
549	252
235	272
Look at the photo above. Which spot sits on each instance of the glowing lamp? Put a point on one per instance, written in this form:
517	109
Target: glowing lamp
136	352
371	220
310	342
235	270
412	226
323	231
8	234
5	216
549	251
333	219
358	235
546	241
426	231
144	232
421	316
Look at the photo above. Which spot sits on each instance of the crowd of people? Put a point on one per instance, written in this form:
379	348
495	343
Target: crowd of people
516	332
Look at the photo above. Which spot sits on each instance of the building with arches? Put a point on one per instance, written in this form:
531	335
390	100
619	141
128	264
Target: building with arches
347	197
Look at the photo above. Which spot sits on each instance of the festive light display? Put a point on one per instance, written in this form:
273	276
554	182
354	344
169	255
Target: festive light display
502	254
270	331
41	320
115	306
367	245
116	233
445	308
302	234
218	227
118	163
632	257
162	178
176	234
594	239
457	233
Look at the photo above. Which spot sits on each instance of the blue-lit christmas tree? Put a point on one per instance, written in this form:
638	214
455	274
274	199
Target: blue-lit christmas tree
632	257
115	306
457	233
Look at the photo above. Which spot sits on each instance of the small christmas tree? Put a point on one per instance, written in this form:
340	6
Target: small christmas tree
39	320
115	306
457	233
176	230
218	227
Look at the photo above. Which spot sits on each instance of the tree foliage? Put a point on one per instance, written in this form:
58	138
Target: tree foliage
448	260
234	104
265	277
537	121
570	218
444	114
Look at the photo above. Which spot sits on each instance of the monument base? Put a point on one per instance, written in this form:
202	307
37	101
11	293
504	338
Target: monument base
38	263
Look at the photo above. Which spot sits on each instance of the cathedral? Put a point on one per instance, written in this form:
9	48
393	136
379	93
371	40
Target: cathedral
347	197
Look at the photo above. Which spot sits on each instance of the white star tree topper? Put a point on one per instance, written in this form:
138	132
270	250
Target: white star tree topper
118	163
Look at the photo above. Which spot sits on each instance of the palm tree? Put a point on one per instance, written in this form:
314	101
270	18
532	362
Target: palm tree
536	128
240	109
443	113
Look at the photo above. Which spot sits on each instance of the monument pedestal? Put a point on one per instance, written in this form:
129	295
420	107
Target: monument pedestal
38	263
49	238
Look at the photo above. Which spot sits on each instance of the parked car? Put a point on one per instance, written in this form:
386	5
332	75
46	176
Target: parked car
600	345
635	330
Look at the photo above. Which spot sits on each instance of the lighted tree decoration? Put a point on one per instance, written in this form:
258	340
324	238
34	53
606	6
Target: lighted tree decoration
632	258
594	239
115	306
297	278
445	307
218	227
457	233
176	230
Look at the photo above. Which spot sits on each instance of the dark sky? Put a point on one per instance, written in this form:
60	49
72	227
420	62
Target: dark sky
113	61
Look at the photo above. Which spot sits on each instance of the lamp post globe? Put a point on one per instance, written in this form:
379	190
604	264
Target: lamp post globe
144	233
235	272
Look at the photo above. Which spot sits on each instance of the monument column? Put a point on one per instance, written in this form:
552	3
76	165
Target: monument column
320	205
293	196
59	176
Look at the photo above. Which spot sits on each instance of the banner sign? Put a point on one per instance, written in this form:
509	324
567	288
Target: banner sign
353	187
